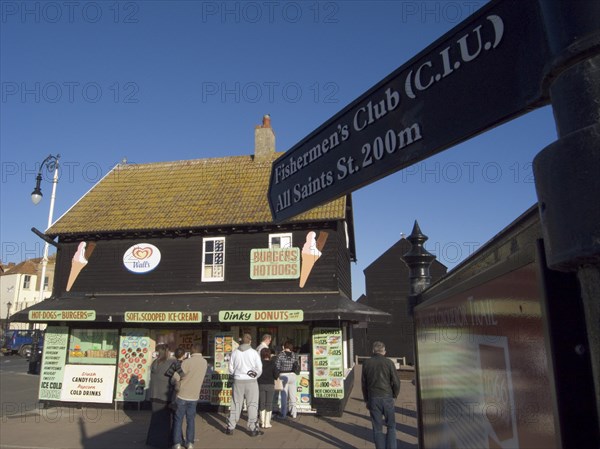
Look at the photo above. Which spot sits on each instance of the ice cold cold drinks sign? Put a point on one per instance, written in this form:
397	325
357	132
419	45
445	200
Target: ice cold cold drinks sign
141	258
464	83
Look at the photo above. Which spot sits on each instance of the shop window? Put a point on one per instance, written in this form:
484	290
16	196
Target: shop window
26	282
280	240
93	346
213	259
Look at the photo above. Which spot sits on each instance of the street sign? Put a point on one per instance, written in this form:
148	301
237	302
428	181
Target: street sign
487	70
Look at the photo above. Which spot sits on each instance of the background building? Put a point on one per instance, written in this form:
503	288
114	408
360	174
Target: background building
387	286
20	287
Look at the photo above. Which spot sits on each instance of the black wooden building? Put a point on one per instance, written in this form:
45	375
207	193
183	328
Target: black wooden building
387	287
186	251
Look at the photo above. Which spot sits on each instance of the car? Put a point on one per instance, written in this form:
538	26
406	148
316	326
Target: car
19	341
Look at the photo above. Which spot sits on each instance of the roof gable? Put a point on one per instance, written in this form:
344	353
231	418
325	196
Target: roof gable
185	194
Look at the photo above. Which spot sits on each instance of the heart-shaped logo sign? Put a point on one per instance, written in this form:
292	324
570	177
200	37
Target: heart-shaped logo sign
141	258
141	253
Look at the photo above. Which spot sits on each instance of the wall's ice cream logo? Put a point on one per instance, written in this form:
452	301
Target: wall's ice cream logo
311	252
141	258
79	261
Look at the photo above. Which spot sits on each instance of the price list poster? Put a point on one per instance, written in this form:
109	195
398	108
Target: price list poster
328	363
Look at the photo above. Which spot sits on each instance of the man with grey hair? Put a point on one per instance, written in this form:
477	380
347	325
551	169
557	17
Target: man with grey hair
380	388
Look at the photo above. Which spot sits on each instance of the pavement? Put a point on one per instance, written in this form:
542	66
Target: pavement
102	428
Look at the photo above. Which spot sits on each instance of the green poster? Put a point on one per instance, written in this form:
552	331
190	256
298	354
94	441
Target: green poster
328	365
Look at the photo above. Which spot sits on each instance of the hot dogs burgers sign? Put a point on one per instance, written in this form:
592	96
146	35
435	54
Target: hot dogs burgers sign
141	258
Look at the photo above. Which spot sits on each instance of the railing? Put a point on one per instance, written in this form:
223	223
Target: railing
400	362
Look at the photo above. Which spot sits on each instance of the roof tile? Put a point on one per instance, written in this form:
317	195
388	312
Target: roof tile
185	194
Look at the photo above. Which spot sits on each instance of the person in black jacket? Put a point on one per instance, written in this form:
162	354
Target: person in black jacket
380	388
266	388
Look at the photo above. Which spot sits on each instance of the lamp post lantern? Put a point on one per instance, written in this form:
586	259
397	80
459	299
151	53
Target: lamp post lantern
51	163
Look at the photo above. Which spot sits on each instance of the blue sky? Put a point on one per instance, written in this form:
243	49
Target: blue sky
155	81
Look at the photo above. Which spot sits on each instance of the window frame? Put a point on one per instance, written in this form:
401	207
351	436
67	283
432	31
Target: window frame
281	235
27	282
204	278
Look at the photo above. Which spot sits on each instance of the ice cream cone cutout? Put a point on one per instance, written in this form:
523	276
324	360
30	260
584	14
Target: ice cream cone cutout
79	261
311	252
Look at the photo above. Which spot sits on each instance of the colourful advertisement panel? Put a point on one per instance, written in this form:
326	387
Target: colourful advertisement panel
484	379
328	363
53	362
220	379
135	358
303	397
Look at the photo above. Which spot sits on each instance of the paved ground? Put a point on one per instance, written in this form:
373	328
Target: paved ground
91	428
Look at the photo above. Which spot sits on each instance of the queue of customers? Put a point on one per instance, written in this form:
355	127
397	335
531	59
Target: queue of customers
176	384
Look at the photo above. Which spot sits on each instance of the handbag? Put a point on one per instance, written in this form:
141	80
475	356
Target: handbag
278	385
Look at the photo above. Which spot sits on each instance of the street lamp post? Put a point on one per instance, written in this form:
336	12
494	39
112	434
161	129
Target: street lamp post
7	323
51	163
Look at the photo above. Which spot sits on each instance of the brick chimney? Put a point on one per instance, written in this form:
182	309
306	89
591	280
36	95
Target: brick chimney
264	140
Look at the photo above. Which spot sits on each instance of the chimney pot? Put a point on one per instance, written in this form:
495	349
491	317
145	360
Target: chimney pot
266	121
264	140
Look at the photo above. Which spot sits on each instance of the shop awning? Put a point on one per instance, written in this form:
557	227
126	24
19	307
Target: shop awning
112	308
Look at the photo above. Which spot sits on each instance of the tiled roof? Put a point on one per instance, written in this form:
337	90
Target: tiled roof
198	193
29	266
25	267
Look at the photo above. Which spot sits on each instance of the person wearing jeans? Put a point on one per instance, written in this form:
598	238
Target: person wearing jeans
194	370
287	364
185	409
380	387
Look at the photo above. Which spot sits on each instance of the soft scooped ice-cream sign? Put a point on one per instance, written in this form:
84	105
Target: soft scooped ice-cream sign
141	258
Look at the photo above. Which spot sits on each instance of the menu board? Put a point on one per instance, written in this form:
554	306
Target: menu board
53	362
135	358
303	399
328	363
220	382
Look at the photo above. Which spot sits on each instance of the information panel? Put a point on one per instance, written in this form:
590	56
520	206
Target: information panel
483	371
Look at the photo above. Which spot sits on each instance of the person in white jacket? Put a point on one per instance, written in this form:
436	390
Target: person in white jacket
246	367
